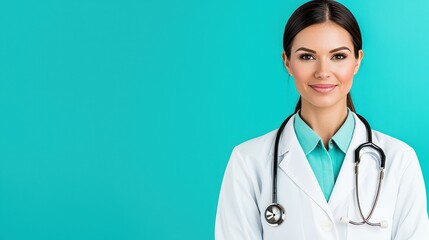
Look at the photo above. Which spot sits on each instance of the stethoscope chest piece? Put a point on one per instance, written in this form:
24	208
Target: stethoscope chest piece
275	214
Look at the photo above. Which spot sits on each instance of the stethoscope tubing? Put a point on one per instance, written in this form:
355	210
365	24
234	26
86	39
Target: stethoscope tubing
275	162
275	206
366	219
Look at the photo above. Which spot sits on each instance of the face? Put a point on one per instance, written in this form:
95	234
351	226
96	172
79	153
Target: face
323	64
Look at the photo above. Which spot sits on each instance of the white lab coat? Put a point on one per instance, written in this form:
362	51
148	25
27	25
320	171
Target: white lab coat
247	190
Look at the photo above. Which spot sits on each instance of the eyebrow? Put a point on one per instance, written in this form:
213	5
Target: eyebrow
333	50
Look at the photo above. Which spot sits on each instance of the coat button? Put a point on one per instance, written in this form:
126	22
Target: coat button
327	226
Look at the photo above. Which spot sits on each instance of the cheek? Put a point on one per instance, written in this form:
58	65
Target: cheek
302	72
345	74
300	79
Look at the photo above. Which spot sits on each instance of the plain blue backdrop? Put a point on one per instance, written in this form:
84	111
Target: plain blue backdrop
118	117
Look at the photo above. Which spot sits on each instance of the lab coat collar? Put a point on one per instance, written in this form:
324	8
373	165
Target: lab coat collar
293	162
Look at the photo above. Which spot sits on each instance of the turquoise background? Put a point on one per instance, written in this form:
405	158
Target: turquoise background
118	117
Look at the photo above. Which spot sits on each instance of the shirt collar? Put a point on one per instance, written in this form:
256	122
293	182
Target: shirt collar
344	135
308	139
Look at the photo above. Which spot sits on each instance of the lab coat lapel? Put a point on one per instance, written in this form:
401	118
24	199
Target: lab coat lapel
346	177
294	163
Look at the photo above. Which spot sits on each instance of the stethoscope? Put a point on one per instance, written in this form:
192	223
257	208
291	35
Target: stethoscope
275	213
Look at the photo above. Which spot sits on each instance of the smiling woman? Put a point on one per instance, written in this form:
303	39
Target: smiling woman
321	150
323	64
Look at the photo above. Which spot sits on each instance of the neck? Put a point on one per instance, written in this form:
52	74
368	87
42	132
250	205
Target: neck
324	121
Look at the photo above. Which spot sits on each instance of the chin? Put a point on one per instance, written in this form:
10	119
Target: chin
326	103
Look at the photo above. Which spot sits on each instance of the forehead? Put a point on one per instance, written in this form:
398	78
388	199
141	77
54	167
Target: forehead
322	36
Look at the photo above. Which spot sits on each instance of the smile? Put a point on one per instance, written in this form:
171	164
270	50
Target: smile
323	88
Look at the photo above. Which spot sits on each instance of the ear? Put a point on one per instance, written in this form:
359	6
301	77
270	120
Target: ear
286	62
358	61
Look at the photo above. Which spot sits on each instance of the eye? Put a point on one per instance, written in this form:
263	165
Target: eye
339	56
306	57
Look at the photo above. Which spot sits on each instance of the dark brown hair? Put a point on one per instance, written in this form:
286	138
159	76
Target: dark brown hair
320	11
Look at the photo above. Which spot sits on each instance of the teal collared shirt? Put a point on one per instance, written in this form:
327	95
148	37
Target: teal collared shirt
326	163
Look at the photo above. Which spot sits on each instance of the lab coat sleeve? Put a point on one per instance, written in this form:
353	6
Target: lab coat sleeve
237	216
410	220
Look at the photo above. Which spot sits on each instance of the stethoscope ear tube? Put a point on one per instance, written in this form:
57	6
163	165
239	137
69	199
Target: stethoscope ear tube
377	148
369	144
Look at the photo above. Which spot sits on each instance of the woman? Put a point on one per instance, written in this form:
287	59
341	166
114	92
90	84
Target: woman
310	172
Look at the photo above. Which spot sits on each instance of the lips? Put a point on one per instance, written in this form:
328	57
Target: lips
323	88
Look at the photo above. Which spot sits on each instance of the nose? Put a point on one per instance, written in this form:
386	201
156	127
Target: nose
322	70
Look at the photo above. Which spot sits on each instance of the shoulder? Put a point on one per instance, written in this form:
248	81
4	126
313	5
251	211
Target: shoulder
398	153
391	143
260	145
254	153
